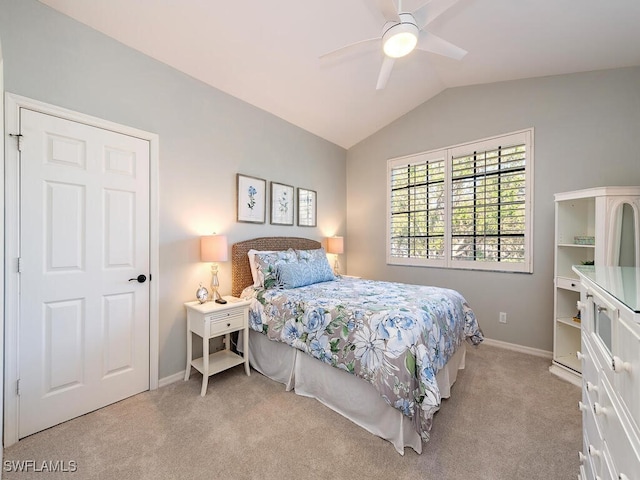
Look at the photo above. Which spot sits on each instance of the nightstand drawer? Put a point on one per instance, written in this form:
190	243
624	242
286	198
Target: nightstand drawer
219	324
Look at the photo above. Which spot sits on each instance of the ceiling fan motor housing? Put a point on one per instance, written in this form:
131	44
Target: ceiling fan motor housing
400	38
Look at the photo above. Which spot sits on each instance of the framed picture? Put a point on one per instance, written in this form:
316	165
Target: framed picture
282	204
306	208
251	196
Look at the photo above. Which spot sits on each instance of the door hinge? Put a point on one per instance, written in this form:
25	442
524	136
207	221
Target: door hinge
18	137
18	387
19	264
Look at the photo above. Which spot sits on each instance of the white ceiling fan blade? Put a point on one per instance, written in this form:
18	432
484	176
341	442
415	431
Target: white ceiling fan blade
385	72
347	49
434	44
431	10
385	7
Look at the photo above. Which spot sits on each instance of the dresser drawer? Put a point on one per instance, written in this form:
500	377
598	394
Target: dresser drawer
607	471
626	380
219	324
592	456
602	358
583	474
568	283
624	458
590	363
592	428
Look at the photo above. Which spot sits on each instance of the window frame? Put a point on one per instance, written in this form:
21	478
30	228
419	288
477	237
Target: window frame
505	140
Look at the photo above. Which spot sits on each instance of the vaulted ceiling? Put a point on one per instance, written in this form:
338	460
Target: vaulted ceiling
267	52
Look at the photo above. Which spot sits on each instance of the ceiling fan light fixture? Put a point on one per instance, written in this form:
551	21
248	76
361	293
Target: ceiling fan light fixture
401	38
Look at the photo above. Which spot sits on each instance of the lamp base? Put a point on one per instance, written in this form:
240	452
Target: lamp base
215	296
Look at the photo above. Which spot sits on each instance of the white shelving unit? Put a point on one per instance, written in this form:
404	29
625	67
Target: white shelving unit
596	213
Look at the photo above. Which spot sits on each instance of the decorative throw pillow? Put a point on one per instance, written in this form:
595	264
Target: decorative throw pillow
316	261
299	274
254	268
267	263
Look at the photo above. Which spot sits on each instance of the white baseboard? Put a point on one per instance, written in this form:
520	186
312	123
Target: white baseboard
519	348
170	379
566	375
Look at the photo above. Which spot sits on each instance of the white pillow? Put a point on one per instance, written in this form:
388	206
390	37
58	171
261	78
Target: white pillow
254	267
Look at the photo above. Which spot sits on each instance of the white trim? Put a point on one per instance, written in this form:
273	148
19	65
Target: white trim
2	231
566	375
526	137
13	104
597	192
518	348
172	379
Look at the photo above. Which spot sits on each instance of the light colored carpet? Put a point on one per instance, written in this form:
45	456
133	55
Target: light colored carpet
507	418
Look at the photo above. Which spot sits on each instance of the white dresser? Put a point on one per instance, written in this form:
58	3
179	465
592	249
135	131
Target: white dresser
610	356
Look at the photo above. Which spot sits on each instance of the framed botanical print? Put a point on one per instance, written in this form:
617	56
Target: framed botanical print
251	199
306	208
282	204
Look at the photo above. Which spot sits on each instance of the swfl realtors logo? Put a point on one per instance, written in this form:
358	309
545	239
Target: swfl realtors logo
47	466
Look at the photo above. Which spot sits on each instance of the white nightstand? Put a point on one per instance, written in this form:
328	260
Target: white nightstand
210	320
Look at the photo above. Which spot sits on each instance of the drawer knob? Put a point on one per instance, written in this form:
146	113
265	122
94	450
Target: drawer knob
580	355
599	409
228	324
594	452
582	457
591	387
582	408
619	365
622	476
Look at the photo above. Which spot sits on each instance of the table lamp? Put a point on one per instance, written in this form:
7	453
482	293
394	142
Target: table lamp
213	248
335	245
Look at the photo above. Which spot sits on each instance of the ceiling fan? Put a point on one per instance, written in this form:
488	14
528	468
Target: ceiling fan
403	32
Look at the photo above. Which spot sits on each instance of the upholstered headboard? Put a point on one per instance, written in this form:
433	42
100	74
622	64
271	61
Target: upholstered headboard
240	270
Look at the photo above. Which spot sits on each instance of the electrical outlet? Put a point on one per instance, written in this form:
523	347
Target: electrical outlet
503	317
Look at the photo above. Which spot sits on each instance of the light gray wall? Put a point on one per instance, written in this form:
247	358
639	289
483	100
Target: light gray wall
586	134
206	137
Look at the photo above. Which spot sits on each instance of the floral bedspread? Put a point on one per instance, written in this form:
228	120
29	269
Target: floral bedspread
395	336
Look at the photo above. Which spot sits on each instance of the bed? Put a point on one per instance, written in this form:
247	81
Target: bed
381	354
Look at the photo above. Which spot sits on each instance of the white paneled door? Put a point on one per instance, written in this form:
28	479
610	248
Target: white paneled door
84	249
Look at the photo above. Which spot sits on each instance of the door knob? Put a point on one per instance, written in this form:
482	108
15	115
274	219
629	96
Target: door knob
140	278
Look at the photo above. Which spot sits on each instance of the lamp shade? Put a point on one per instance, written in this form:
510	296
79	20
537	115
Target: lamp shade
213	248
335	245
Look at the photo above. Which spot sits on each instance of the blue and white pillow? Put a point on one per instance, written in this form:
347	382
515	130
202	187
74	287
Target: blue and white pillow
267	263
293	275
316	265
